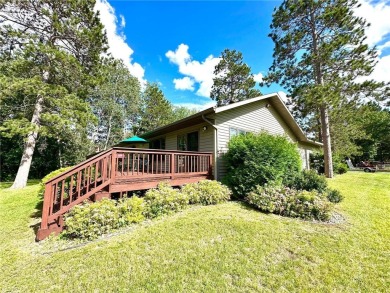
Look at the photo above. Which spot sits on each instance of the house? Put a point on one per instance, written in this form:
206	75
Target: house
210	130
185	151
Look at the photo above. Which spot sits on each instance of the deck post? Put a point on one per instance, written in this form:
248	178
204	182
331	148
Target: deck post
46	206
173	167
113	165
210	166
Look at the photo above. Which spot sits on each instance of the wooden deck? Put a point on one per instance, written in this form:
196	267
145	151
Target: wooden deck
115	172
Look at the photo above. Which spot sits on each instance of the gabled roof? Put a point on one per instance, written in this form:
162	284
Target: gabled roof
274	99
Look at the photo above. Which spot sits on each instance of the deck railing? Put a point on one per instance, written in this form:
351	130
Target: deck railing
118	164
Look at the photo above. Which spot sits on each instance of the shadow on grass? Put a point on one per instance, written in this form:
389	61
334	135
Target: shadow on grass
245	205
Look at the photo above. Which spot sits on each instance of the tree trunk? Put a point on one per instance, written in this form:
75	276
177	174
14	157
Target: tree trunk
325	130
108	133
29	147
326	141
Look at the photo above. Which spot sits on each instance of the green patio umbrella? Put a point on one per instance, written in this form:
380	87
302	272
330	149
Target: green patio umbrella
134	142
134	139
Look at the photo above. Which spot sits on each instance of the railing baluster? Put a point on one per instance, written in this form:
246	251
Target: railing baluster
62	192
128	163
143	164
71	189
152	163
148	162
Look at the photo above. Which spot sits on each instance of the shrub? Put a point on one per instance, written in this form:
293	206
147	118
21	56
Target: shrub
50	176
131	210
308	180
317	163
261	158
90	220
206	192
270	198
164	200
341	168
334	195
290	202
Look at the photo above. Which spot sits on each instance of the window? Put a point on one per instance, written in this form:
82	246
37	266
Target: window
158	144
182	142
188	142
236	131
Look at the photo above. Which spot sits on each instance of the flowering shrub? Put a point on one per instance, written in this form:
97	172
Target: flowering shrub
164	200
90	220
206	192
131	210
290	202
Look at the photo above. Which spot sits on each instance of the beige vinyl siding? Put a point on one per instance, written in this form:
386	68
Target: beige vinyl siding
305	151
206	137
253	117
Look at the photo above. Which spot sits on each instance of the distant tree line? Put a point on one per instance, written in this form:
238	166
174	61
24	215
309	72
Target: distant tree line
62	96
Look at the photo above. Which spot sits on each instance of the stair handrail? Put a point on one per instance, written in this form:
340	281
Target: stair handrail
98	155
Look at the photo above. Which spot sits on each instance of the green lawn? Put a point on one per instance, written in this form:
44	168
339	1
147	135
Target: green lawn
228	247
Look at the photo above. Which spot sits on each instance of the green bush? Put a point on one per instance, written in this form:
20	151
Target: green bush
290	202
261	158
131	210
317	163
164	200
341	168
206	192
90	220
334	195
308	180
50	176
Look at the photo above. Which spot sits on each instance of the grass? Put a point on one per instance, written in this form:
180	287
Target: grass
228	247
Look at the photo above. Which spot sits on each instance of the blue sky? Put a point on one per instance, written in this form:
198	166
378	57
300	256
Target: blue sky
177	43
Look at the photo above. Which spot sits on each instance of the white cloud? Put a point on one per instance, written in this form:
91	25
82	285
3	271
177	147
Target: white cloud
199	72
378	15
123	20
283	96
258	77
384	46
382	69
117	41
184	83
198	107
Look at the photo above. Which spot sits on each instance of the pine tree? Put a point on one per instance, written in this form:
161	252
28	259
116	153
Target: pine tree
155	111
233	80
48	53
319	54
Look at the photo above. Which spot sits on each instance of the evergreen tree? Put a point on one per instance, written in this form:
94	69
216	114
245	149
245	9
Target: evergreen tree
319	54
155	110
233	80
48	53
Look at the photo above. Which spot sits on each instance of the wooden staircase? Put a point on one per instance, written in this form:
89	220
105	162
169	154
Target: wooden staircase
115	172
